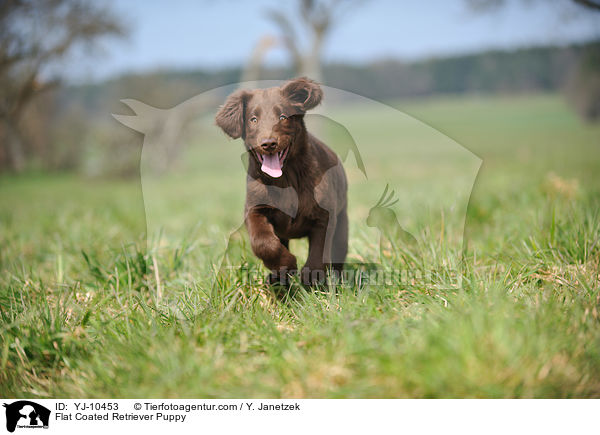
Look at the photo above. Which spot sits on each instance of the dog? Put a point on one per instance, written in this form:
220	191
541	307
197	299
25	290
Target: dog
296	185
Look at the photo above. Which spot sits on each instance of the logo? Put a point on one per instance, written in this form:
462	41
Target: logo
26	414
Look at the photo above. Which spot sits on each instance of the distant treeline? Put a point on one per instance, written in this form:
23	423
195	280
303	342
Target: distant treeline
522	70
534	69
70	128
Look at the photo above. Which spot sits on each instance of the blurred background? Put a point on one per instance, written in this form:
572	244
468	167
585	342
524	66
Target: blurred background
65	64
104	265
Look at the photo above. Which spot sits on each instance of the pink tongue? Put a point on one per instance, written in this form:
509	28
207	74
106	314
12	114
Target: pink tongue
271	166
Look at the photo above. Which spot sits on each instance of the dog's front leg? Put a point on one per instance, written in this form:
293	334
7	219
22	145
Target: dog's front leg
267	246
314	271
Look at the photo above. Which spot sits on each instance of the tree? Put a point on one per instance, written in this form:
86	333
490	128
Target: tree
489	4
35	36
583	88
316	18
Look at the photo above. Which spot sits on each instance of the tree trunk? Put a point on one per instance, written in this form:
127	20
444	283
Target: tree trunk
13	146
312	61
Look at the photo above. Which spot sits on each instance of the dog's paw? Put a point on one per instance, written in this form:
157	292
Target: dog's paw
281	277
280	283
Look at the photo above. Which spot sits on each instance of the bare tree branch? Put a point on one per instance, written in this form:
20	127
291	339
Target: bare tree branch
317	19
35	35
288	35
589	3
486	5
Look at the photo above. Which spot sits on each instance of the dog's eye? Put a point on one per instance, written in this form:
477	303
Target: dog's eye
282	117
254	119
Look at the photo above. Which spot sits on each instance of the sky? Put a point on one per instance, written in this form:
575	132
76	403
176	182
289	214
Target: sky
211	34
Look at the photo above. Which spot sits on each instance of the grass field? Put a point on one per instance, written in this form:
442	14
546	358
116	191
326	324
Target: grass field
86	311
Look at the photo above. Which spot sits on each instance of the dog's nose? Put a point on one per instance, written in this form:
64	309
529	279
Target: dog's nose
268	144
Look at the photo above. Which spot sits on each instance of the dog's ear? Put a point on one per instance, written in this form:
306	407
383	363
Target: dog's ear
230	116
303	93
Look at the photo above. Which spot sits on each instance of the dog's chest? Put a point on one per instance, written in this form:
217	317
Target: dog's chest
298	225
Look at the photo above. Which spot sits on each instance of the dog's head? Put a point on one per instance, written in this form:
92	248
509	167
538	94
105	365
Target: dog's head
269	120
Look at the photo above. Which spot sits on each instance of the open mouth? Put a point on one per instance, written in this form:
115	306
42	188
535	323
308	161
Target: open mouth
271	164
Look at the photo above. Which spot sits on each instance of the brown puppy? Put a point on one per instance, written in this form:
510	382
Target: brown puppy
296	185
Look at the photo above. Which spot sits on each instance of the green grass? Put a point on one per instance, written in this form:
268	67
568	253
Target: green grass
81	316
